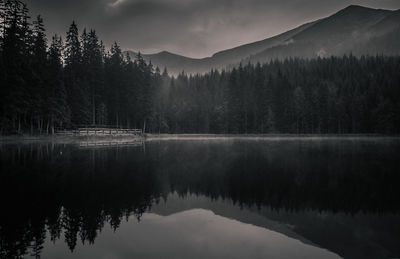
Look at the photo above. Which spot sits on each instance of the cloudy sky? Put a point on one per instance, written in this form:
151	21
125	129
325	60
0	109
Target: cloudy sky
194	28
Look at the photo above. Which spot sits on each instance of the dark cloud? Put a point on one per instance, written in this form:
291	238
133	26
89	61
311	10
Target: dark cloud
194	28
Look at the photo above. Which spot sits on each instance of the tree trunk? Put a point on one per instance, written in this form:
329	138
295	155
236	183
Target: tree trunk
19	125
93	111
39	124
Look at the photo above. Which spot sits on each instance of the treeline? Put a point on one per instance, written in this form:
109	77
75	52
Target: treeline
78	82
330	95
66	84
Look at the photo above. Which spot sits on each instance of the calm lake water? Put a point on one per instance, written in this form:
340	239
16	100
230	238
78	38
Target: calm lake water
201	198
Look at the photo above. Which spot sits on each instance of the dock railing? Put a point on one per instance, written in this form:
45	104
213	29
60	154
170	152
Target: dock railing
100	131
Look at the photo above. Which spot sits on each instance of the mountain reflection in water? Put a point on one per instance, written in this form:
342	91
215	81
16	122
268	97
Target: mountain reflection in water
319	198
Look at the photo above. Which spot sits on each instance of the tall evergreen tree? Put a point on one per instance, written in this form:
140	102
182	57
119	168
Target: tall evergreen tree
115	86
58	109
77	90
15	54
145	91
38	80
93	69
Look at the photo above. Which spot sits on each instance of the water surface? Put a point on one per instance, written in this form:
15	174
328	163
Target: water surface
201	198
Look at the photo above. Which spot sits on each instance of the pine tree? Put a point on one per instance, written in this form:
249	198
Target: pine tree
16	57
114	91
130	89
77	88
38	81
93	69
58	109
145	91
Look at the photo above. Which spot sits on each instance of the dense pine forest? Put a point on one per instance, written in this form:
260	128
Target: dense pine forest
75	80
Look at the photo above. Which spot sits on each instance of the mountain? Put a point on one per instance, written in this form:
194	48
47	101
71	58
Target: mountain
177	63
354	29
235	55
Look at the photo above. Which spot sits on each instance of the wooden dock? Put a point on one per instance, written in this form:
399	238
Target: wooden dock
100	132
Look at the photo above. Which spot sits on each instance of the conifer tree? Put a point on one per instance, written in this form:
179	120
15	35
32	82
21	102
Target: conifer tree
58	109
77	88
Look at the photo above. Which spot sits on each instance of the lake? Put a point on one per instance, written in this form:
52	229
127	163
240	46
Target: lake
201	197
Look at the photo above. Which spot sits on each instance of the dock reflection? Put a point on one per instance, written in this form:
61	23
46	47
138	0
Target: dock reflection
109	143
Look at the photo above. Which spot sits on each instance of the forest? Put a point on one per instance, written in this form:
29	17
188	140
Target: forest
68	82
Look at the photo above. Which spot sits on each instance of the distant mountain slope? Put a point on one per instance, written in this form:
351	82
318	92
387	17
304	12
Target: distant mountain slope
229	56
177	63
384	36
355	29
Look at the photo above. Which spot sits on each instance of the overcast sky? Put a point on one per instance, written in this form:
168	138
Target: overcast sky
194	28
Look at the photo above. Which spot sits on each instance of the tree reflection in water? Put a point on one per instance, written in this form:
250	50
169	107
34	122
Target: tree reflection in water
71	193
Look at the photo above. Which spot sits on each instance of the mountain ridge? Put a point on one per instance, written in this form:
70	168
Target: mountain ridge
355	29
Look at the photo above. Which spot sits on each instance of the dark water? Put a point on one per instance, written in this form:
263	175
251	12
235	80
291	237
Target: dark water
202	198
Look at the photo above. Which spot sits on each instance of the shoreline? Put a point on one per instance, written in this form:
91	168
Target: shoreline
64	139
155	137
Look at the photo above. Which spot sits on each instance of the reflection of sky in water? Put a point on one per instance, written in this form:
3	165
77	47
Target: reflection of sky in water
313	197
195	233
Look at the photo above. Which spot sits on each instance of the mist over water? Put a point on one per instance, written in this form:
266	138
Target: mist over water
287	197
